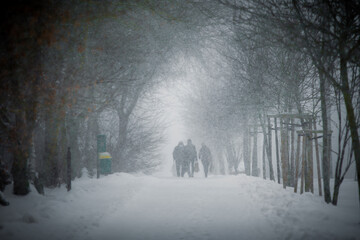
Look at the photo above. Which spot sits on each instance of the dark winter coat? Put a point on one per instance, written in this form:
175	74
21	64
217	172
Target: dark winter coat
205	155
178	153
190	153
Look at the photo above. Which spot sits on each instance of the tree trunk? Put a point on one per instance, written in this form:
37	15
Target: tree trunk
73	132
50	170
63	143
20	66
331	168
325	162
122	138
267	145
21	152
246	153
254	166
351	118
68	169
337	184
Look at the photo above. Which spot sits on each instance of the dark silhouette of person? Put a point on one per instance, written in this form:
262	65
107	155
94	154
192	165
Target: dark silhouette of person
205	157
178	155
190	156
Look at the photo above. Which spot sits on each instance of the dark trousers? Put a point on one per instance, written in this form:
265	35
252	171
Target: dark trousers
184	169
178	167
192	168
206	169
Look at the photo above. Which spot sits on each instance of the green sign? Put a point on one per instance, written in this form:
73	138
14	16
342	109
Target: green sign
101	143
105	166
105	163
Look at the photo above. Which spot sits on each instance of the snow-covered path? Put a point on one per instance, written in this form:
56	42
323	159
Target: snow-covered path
122	206
188	209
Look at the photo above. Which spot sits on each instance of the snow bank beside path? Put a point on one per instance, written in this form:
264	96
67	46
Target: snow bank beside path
66	215
123	206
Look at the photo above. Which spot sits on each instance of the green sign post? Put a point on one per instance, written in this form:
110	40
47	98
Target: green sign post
101	147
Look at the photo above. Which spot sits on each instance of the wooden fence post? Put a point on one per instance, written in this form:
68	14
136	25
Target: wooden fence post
271	170
254	165
277	151
297	163
317	160
302	165
311	162
309	186
284	149
292	153
263	157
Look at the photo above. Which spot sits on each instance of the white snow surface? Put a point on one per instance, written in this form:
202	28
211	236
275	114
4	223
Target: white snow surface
124	206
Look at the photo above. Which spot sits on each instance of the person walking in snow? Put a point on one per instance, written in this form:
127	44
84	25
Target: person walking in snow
178	155
205	157
185	164
190	156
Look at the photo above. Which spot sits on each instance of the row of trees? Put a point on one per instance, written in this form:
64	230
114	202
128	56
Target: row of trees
74	69
284	57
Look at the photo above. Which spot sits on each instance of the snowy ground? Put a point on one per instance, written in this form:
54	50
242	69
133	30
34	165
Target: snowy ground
123	206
